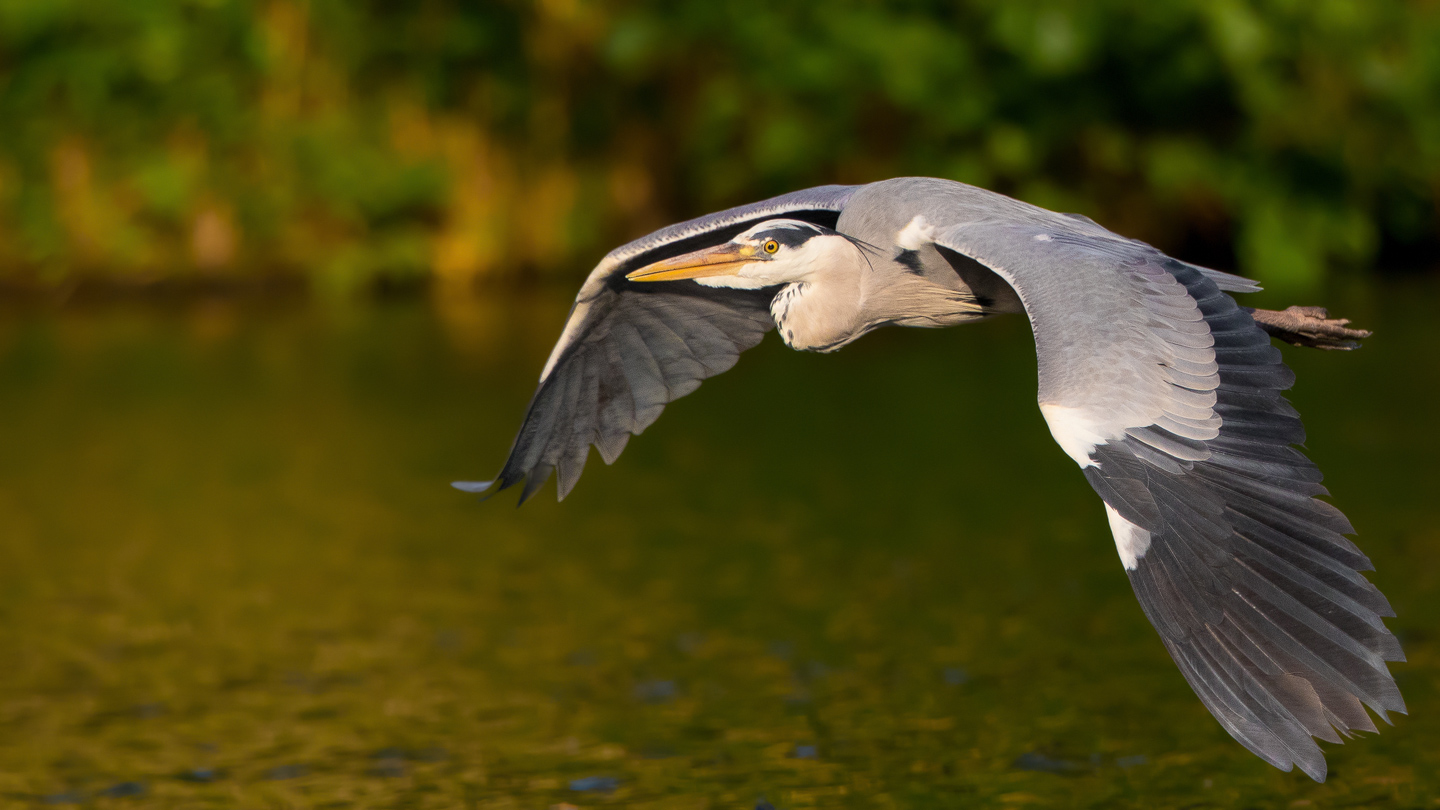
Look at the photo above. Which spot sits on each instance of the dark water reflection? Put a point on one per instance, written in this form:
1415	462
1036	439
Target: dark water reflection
232	574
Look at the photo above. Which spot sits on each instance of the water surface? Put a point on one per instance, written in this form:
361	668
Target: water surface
232	574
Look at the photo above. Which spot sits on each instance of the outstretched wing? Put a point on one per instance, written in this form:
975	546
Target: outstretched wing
1168	396
628	349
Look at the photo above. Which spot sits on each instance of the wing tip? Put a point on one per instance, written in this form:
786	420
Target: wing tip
473	487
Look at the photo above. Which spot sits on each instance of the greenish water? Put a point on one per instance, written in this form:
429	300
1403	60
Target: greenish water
232	574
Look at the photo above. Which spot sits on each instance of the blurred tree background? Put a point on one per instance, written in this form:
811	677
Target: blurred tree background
362	142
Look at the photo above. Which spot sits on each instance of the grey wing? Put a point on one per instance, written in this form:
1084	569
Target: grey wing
629	349
1168	396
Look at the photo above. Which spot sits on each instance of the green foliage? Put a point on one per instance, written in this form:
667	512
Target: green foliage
351	140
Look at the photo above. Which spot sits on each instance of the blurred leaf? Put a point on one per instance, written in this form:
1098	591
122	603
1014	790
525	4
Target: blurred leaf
1314	128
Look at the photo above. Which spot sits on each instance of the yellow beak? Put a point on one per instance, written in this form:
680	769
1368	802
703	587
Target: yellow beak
721	260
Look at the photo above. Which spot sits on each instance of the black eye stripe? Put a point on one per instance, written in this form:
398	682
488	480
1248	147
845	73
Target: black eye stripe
788	237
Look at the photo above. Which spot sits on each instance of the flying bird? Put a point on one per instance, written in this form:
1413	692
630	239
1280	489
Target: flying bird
1164	390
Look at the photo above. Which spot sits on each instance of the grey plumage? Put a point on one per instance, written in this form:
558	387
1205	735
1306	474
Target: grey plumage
630	349
1248	578
1151	377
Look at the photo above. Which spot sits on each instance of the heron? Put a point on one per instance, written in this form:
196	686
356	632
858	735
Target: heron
1164	390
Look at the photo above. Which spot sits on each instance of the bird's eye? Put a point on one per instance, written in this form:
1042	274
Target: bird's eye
771	246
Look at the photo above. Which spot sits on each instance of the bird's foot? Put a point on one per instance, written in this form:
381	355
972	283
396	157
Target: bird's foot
1309	326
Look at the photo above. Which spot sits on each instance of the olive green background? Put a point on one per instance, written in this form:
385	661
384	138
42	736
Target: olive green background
353	144
232	573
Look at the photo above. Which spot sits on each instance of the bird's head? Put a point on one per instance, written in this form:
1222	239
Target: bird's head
776	251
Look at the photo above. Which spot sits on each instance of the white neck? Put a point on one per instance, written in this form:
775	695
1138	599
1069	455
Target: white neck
852	293
822	310
834	291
